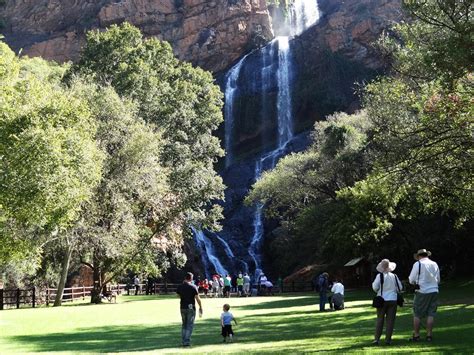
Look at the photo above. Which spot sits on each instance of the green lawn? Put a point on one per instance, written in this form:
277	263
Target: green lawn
280	324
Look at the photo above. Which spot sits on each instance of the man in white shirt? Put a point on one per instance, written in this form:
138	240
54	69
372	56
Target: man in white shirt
338	295
425	274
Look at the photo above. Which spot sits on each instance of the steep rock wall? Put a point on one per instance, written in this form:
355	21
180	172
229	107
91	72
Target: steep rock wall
211	34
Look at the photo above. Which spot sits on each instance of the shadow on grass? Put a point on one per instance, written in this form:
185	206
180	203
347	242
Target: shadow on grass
285	303
287	331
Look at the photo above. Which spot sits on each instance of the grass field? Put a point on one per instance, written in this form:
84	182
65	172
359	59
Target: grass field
280	324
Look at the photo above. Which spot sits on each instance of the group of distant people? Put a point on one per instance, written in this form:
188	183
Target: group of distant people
222	286
241	284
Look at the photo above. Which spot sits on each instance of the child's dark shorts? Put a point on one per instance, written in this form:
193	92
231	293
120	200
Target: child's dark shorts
227	330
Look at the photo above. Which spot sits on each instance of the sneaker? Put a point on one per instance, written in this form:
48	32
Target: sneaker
375	342
429	338
414	338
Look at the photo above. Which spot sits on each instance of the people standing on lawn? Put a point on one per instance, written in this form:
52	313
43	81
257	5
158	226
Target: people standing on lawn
322	287
136	283
426	276
215	286
247	283
221	286
337	300
240	285
387	285
261	283
189	295
227	285
226	323
205	287
233	283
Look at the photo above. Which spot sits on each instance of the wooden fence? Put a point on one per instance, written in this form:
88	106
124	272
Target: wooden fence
17	298
21	298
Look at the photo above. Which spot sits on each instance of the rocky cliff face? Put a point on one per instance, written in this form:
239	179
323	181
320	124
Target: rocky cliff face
211	34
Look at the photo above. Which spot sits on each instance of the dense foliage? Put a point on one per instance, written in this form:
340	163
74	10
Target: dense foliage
107	162
400	180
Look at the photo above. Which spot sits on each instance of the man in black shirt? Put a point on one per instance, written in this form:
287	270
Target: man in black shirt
188	294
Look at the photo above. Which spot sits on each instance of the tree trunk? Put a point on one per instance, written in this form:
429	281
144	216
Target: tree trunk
64	271
97	290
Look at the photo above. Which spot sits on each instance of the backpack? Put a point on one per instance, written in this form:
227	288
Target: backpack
318	283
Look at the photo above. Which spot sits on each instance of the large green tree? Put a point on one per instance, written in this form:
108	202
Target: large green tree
179	100
49	158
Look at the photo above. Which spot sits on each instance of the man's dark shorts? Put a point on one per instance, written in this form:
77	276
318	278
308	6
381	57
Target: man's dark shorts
425	304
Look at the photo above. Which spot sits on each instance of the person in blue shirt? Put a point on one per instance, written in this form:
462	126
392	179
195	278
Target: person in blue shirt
226	323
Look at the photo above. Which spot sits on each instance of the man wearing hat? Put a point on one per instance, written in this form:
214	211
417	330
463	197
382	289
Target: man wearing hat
425	275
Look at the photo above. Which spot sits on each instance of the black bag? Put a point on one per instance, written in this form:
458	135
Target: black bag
400	299
378	301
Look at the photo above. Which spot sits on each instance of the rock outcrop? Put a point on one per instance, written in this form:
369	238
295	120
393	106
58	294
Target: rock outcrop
350	28
211	34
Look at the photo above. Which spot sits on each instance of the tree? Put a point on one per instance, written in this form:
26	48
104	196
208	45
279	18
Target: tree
49	159
179	100
113	229
336	159
436	44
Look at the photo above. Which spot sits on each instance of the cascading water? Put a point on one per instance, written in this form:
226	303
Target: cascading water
303	14
231	90
205	244
276	71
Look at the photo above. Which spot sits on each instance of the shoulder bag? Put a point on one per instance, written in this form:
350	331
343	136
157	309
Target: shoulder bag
378	301
400	299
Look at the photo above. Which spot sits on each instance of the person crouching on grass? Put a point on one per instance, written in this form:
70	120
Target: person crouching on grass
226	323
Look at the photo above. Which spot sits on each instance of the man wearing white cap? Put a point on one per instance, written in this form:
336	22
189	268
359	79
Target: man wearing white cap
425	275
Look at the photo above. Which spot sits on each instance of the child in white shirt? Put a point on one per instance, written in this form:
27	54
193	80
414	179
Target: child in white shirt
226	323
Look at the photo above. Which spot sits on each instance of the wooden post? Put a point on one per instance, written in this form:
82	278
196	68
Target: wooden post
83	293
292	286
166	287
1	299
47	295
33	297
18	298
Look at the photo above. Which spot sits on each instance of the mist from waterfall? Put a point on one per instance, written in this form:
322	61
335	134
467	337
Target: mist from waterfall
302	15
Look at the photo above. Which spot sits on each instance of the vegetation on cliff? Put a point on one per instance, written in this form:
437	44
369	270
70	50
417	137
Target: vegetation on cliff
397	175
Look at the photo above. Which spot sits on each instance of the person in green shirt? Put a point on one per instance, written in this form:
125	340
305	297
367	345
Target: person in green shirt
240	285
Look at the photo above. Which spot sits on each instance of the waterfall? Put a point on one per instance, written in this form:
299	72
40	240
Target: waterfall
226	246
204	244
231	89
303	14
276	72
